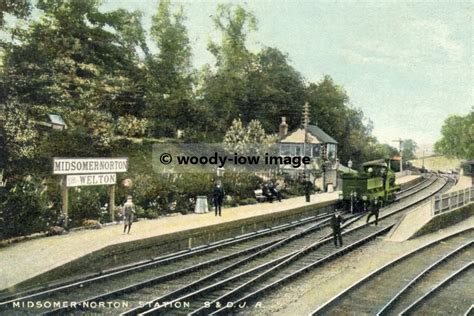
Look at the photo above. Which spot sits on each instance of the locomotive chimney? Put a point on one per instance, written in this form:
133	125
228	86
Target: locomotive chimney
283	130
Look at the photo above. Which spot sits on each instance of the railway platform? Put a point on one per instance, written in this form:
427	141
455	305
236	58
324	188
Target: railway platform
78	250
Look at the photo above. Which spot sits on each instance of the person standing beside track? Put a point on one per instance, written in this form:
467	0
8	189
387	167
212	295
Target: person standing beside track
374	211
336	222
128	214
218	197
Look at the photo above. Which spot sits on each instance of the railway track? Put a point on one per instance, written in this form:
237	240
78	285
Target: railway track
426	177
453	295
189	274
207	300
193	259
417	187
307	259
391	289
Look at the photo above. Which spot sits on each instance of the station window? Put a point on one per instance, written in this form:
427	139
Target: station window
316	150
285	150
297	150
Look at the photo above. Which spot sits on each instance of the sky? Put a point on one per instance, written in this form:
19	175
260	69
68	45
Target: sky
407	64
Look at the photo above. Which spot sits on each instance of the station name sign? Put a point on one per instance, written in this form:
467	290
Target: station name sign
91	179
89	165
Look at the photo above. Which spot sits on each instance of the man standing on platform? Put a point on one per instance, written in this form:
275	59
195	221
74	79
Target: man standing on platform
308	186
218	197
128	214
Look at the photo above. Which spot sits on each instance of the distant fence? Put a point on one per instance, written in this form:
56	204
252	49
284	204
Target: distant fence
450	201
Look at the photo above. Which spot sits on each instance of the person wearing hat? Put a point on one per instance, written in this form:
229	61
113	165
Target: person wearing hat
336	222
128	212
218	197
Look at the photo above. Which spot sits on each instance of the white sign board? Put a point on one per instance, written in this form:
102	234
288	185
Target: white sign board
91	179
89	165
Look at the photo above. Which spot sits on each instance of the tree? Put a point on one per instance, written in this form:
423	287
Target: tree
169	78
331	111
78	62
250	139
17	8
457	138
409	147
224	90
274	89
20	135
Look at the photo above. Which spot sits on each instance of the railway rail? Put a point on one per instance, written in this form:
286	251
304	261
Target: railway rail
306	260
191	273
426	177
416	188
384	292
245	243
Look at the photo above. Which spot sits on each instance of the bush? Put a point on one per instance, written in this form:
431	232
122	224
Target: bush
55	230
24	209
86	203
132	126
248	201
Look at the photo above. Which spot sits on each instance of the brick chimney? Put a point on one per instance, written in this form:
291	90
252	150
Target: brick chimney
283	130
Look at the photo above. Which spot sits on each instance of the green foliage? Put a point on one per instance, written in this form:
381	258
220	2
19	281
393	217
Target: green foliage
273	89
457	137
409	147
21	136
24	209
17	8
77	57
131	126
248	201
225	90
87	203
169	79
251	139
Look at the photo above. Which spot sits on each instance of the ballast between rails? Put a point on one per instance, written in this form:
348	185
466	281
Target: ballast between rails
323	308
385	308
438	287
295	256
259	292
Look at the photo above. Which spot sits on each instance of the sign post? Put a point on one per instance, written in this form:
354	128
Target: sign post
112	202
87	172
65	198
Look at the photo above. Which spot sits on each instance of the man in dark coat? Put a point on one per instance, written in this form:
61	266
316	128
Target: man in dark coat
274	191
336	222
374	211
218	197
308	186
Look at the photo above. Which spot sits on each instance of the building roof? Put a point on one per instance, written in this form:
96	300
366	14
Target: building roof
320	134
315	136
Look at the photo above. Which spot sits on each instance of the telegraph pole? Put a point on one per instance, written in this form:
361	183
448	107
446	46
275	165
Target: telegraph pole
400	142
305	125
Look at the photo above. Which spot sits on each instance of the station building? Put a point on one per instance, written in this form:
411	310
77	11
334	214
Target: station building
316	144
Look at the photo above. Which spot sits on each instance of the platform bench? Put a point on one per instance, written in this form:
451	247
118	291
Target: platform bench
259	195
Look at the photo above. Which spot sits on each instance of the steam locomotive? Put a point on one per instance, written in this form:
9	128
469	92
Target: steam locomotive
374	185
